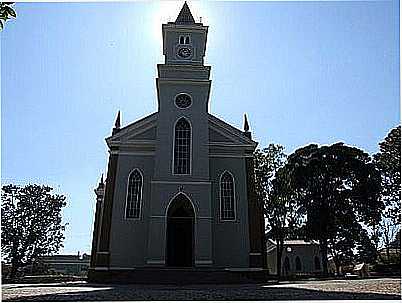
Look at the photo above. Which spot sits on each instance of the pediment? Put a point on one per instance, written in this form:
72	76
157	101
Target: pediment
141	131
144	134
216	136
221	132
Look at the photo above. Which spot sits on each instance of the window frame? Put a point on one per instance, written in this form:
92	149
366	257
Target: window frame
234	197
174	145
183	93
141	195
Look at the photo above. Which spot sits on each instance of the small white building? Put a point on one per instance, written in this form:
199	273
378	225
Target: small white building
299	257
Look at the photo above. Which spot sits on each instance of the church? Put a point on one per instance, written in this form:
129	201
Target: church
179	200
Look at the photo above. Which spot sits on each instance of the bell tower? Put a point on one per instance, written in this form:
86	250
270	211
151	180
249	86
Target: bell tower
181	161
183	87
184	40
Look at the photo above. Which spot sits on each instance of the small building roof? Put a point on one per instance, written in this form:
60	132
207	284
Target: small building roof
294	242
300	242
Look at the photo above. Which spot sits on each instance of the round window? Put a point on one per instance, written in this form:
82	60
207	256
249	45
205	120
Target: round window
183	100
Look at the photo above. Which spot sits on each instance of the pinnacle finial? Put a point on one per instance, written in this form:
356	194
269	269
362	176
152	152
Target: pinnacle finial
117	123
101	183
246	126
116	128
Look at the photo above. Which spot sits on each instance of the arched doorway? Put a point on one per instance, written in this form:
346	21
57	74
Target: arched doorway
180	233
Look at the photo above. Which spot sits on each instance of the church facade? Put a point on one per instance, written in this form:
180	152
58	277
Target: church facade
179	191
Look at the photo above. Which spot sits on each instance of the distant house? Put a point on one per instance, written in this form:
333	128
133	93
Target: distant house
299	257
394	254
68	264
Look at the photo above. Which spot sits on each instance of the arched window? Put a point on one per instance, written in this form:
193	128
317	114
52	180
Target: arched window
317	263
182	147
134	195
181	40
227	197
187	40
298	264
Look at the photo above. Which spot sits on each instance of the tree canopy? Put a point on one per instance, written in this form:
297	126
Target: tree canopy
388	161
31	222
337	187
280	205
6	12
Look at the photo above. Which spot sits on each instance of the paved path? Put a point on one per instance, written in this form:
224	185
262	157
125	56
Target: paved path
312	290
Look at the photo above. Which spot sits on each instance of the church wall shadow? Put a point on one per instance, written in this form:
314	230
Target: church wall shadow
202	293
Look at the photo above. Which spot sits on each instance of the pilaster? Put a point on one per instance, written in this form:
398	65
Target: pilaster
257	255
103	251
99	191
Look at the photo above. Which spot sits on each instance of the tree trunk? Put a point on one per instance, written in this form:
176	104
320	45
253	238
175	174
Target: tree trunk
279	250
324	256
387	243
388	256
337	267
14	260
14	268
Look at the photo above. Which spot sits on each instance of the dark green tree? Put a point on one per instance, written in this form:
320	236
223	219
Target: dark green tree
31	223
6	12
366	248
388	161
341	245
280	206
334	182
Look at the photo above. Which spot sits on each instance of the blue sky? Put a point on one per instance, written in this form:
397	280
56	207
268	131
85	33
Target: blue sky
304	72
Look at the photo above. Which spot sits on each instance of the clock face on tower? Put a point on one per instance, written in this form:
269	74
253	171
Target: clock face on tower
184	52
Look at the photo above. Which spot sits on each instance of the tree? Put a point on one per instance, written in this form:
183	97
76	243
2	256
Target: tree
267	162
6	12
279	204
366	248
345	236
31	224
388	161
337	185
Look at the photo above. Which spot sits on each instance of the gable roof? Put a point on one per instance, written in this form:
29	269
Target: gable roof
271	242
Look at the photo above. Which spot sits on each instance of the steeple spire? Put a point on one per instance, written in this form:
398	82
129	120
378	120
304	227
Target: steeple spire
116	128
185	16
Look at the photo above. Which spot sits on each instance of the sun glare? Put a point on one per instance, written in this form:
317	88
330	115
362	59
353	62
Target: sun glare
167	11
